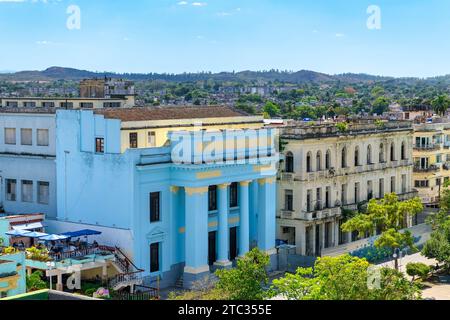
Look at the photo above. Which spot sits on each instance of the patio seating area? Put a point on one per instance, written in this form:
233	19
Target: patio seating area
57	247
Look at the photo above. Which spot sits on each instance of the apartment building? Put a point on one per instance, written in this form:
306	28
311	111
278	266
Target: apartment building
326	169
27	161
67	103
431	159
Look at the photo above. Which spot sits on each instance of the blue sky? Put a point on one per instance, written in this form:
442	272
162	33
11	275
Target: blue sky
223	35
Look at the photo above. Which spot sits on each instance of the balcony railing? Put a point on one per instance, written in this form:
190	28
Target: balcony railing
431	168
428	147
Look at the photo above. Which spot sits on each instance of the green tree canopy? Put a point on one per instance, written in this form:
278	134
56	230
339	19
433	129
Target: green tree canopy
246	281
388	216
440	104
272	109
344	278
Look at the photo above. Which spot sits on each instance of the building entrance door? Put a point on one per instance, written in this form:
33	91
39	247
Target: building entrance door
233	244
211	248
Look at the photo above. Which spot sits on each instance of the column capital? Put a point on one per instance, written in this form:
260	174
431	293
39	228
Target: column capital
269	180
245	183
174	189
196	190
223	185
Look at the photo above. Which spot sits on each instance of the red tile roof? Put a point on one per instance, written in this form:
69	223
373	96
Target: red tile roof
170	113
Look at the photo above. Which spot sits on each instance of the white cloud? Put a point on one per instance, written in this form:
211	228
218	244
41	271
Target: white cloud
340	35
182	3
199	4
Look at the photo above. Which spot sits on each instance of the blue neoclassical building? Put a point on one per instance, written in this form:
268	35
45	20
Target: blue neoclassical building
199	201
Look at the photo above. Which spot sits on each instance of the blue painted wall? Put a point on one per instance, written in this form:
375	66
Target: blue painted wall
112	189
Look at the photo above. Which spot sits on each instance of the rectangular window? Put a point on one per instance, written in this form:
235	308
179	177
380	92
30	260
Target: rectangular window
42	137
155	207
288	200
357	200
43	192
154	257
212	198
133	140
10	136
309	201
27	191
392	184
421	183
99	145
111	105
26	137
29	104
328	197
86	105
234	195
381	188
11	193
48	104
152	139
66	105
369	190
344	194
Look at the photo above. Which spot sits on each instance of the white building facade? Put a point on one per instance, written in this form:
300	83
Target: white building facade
326	170
27	162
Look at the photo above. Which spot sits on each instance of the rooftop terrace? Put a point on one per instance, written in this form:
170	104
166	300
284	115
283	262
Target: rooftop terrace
303	130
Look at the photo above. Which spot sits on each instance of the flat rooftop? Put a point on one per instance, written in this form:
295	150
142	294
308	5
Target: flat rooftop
36	110
170	113
296	130
62	98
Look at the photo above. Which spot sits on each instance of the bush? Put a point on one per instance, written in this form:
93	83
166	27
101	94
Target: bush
90	292
418	269
35	282
342	126
10	250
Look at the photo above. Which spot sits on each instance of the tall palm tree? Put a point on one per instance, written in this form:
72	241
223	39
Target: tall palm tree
440	104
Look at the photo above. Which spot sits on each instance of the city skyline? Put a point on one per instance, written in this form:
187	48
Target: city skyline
172	36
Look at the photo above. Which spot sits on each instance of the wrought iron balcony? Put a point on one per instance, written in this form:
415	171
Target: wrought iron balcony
431	168
427	147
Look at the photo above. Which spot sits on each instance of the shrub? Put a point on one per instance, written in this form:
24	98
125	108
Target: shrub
418	269
10	250
35	282
342	126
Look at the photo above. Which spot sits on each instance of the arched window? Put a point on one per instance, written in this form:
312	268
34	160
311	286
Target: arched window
344	158
328	160
403	156
319	161
369	154
356	156
382	153
289	166
392	152
308	162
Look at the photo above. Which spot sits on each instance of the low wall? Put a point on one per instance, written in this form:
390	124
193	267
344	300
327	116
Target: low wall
422	230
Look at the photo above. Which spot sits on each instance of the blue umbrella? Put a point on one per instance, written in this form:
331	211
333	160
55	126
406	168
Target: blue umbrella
18	233
35	235
53	237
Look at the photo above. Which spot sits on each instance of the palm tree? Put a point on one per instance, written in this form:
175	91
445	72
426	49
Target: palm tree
440	104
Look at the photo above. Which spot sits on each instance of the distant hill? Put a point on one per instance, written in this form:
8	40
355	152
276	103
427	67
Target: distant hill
298	77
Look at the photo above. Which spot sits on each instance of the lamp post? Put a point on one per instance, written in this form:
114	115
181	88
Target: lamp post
396	256
50	266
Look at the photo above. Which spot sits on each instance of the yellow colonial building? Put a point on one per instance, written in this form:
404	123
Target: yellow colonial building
431	155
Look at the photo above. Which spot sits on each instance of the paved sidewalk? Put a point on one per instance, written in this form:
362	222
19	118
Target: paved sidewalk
436	291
